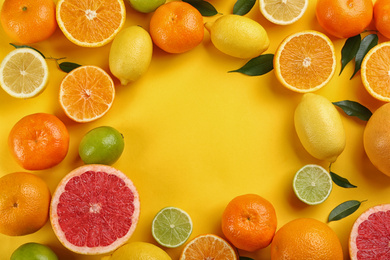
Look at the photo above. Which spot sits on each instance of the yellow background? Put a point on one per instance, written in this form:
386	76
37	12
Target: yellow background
196	136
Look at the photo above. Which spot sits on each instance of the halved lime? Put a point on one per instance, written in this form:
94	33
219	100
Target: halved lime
312	184
171	227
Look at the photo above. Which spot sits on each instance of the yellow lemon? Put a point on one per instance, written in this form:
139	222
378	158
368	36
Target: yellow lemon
130	54
238	36
139	251
319	127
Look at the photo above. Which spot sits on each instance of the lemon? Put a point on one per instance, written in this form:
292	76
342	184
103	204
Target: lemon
146	6
238	36
319	127
139	251
130	54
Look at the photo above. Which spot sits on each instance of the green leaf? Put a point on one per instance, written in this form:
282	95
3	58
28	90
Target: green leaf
204	7
353	108
68	66
340	181
349	50
257	66
26	46
242	7
344	210
245	258
367	44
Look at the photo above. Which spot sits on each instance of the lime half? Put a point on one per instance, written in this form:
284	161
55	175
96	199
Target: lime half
171	227
312	184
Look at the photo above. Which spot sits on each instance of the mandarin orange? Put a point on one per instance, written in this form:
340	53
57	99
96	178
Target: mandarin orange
249	222
39	141
176	27
344	18
28	21
24	203
382	17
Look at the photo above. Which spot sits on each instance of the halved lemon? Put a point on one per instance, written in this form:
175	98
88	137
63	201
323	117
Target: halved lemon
283	12
24	73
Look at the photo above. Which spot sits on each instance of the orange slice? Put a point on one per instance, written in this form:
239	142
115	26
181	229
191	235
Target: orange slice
208	246
90	23
375	71
305	61
86	93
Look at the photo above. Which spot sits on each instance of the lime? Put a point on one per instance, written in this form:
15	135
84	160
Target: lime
312	184
33	251
101	145
139	251
171	227
146	6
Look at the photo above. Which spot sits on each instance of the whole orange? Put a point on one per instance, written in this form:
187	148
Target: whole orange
382	17
28	21
344	18
39	141
24	203
249	222
176	27
306	238
376	139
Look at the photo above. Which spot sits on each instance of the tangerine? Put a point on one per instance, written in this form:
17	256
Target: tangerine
344	18
28	21
249	222
306	238
24	203
176	27
382	17
39	141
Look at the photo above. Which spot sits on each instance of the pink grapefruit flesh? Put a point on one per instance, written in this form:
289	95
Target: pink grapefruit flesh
370	234
95	209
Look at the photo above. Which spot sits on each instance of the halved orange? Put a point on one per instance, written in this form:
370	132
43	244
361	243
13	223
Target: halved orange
375	71
208	246
305	61
86	93
90	23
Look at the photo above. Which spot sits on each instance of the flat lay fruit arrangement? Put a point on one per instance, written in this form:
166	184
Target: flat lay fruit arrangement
194	129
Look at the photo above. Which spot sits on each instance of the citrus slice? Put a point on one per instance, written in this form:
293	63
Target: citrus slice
370	234
86	93
305	61
90	23
24	73
375	71
94	209
312	184
208	246
171	227
283	12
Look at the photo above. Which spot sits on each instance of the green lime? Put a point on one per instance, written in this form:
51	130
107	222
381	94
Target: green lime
171	227
33	251
146	6
101	145
312	184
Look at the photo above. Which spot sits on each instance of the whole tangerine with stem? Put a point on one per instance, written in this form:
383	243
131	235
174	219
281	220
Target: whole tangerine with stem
249	222
344	18
24	203
28	21
176	27
39	141
382	17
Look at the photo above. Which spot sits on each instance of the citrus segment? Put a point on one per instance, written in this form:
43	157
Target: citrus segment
95	209
305	61
208	246
86	93
370	235
312	184
171	227
90	23
375	71
24	73
283	12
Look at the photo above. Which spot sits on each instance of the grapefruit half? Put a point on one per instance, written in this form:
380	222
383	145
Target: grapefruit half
370	234
94	209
